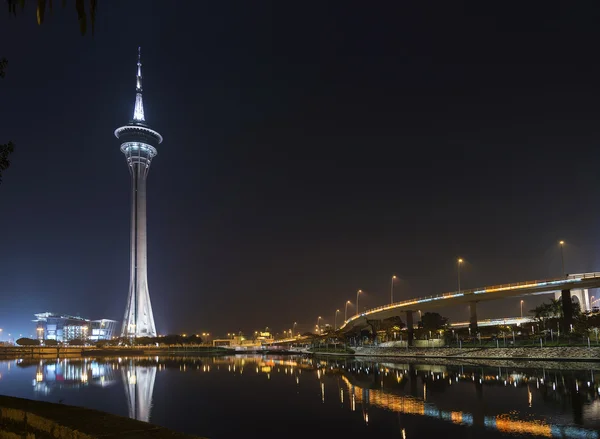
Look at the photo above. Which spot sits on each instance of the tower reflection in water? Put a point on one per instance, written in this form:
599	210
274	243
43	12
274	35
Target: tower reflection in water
138	380
139	386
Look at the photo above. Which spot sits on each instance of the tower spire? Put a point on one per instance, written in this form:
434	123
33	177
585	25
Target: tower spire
138	111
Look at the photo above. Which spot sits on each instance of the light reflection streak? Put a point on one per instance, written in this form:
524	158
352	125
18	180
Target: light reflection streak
503	423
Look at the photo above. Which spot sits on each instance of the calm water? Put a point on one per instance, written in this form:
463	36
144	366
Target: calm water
256	396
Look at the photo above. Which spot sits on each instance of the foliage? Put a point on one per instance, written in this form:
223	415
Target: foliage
27	342
50	343
173	339
587	324
553	310
432	321
76	342
41	11
5	151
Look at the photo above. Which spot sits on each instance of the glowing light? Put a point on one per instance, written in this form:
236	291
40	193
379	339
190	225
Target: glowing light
138	111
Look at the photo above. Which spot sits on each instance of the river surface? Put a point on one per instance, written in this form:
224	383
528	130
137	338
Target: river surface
284	396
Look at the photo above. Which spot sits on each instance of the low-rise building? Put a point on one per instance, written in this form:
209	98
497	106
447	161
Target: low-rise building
63	327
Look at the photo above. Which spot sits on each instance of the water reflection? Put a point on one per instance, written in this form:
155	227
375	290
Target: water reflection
368	384
137	375
139	386
525	401
70	374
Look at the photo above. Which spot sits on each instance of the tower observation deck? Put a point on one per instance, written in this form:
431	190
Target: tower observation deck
138	143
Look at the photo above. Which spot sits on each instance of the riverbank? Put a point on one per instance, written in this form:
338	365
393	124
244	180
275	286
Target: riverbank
564	353
21	418
11	352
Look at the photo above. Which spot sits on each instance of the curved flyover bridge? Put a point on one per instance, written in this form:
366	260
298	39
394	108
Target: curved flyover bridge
562	287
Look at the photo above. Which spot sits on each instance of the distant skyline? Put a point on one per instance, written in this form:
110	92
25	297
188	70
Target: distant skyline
312	151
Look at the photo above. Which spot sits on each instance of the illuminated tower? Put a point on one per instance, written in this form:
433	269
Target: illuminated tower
138	143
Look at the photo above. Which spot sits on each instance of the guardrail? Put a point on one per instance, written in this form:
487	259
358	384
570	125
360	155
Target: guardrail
490	289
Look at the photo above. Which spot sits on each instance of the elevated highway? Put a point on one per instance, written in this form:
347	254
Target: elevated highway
578	283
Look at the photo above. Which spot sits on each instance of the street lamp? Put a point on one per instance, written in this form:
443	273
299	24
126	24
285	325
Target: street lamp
420	315
521	308
346	310
357	293
562	256
459	262
392	290
335	320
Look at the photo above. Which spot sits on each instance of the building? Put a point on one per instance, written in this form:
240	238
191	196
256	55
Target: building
103	329
63	328
138	143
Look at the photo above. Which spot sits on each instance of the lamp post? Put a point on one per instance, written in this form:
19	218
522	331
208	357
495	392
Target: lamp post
458	264
392	290
521	308
357	293
562	256
346	310
319	325
335	320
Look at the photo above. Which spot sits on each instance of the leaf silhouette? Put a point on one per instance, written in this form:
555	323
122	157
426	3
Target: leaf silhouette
41	10
81	16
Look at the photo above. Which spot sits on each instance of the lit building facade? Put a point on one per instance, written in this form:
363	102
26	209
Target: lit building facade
63	328
103	329
138	143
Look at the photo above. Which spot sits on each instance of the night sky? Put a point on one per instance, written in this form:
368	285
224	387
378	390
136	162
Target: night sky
309	151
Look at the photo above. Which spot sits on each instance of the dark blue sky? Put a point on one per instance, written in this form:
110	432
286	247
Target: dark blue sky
309	151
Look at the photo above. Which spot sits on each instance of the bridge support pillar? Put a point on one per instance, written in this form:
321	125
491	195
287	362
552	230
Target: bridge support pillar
410	328
582	296
473	317
567	310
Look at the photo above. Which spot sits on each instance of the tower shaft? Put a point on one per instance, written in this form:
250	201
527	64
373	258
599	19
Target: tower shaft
139	319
